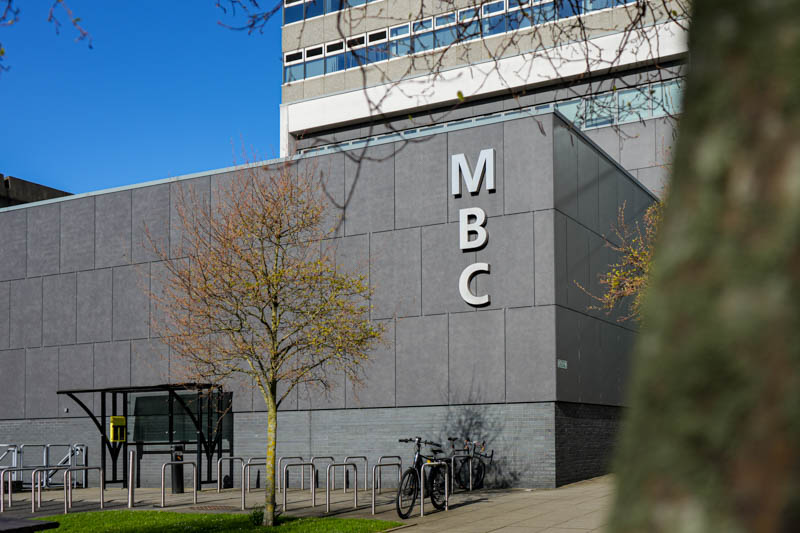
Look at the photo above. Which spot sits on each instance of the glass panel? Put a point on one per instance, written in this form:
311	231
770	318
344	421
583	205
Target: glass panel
423	25
352	3
519	19
293	73
446	36
332	6
315	8
293	13
668	99
467	14
572	110
544	13
356	58
377	52
400	47
396	32
469	31
594	5
494	25
334	63
423	41
600	110
315	67
445	19
634	104
494	7
568	8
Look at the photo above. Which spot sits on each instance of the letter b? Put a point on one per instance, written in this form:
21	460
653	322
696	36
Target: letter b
466	228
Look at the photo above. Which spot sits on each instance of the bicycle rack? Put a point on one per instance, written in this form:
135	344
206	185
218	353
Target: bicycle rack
36	484
219	469
464	456
68	485
328	484
13	449
313	488
246	471
376	475
380	460
422	486
302	472
315	479
194	478
14	471
355	481
131	477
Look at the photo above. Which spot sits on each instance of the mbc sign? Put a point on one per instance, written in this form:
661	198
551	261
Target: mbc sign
472	233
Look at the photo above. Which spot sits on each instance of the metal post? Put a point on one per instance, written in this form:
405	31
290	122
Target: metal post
422	486
302	476
328	484
399	459
68	485
376	475
194	479
219	469
131	477
37	482
355	481
302	466
246	477
314	479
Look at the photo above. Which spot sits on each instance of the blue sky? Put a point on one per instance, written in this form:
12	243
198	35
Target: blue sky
165	91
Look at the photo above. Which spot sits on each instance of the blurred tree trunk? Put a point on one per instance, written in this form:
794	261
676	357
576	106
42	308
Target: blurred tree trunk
713	435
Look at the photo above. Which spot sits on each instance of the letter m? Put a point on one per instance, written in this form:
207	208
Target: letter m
459	167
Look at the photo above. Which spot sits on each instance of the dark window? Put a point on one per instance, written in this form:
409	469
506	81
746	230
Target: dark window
293	13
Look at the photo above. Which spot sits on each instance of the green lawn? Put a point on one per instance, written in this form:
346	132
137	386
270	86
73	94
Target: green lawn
158	521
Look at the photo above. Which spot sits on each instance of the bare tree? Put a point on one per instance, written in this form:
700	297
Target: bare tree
252	291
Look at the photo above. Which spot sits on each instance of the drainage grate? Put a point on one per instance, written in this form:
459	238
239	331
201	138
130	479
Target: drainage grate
215	508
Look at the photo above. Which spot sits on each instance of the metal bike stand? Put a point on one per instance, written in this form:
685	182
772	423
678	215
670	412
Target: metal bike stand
458	454
194	478
316	471
280	466
246	471
68	485
10	471
348	459
36	484
380	460
376	475
219	469
422	486
328	484
285	478
131	477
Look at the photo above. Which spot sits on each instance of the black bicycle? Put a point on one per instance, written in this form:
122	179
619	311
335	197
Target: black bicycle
474	456
435	478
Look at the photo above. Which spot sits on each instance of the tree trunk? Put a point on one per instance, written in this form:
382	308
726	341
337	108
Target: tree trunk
712	439
272	439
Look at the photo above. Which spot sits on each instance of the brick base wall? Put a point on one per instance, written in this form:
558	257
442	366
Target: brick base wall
585	436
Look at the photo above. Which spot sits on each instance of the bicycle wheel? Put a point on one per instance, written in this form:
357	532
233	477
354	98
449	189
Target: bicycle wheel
407	493
462	475
478	474
436	485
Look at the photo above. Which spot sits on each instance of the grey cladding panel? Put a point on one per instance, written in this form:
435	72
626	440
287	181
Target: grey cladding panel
577	265
528	164
330	168
59	313
565	169
588	161
665	140
94	305
395	273
544	257
77	234
378	375
638	145
131	302
561	274
420	186
12	384
608	198
314	397
187	193
41	378
12	260
43	239
442	263
477	357
568	349
75	371
112	364
598	265
149	362
607	139
352	255
5	315
470	142
150	222
510	254
369	191
112	229
531	354
422	361
26	313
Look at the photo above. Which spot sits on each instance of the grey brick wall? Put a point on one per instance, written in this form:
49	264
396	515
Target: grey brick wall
585	437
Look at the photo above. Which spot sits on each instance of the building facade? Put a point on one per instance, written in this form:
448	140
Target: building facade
476	225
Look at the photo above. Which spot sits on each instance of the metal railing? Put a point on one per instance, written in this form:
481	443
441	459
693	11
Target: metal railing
328	484
194	479
380	460
68	485
315	479
377	469
422	486
302	472
348	459
219	469
302	468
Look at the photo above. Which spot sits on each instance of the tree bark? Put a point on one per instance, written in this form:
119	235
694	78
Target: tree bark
269	478
712	439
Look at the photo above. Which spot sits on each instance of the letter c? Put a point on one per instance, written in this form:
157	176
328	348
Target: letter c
463	284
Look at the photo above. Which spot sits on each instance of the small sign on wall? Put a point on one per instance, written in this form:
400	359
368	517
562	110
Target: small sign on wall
562	364
118	429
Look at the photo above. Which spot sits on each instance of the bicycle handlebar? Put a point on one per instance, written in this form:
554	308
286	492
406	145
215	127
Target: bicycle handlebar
424	442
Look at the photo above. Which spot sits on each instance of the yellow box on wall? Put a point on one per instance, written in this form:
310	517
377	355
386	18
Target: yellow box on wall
118	429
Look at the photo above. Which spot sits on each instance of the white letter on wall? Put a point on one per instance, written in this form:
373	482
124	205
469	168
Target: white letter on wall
459	167
465	228
463	284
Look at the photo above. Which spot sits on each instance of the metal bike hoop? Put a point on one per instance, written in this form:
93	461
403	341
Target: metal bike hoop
328	484
194	479
422	486
280	467
68	485
380	460
376	475
349	459
302	467
219	468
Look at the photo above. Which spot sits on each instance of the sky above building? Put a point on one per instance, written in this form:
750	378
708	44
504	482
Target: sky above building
164	91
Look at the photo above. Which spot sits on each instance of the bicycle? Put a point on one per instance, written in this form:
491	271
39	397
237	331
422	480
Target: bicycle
474	458
409	484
